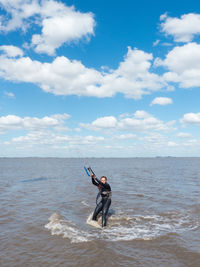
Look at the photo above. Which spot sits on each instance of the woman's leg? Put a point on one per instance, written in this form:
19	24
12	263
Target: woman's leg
105	211
97	210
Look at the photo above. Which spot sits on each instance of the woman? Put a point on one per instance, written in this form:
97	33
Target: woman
104	204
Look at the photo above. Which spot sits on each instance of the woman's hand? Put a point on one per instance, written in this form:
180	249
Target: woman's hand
93	176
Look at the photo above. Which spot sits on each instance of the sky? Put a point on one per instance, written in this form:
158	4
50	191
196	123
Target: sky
99	78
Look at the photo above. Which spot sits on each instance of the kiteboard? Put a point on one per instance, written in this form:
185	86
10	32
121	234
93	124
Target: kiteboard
96	224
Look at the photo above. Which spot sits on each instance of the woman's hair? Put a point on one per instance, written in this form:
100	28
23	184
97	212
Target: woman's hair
104	177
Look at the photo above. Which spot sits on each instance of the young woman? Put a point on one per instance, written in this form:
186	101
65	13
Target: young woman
104	204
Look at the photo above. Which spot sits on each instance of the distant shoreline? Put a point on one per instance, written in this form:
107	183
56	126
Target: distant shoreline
156	157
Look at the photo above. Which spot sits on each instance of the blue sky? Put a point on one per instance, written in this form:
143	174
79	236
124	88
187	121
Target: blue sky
99	78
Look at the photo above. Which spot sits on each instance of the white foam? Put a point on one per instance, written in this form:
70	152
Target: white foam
123	226
65	228
93	223
85	203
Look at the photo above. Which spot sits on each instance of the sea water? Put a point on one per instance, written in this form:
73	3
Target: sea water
154	217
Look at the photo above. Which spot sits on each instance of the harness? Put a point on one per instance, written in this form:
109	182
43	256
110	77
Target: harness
107	194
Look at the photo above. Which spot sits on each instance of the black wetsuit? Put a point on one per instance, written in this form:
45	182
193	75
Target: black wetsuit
105	202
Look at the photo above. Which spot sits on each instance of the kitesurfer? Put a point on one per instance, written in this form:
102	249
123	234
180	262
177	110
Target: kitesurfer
105	192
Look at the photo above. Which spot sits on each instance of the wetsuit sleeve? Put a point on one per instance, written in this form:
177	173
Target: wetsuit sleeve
105	186
94	182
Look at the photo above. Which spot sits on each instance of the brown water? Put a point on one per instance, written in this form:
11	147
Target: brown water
154	220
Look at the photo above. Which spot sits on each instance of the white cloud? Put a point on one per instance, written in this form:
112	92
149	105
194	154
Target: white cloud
183	29
11	51
53	139
126	136
18	11
156	42
191	118
183	63
140	121
161	101
155	139
61	77
105	122
46	141
133	76
9	94
12	122
46	131
184	135
193	142
163	16
65	25
67	77
59	23
172	144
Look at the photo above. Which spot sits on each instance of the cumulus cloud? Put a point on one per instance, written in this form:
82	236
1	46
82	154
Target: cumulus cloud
191	118
105	122
45	131
154	138
65	25
13	122
163	101
192	142
61	77
136	131
140	121
126	136
172	144
11	51
183	63
59	23
184	135
132	78
18	11
182	29
50	138
48	131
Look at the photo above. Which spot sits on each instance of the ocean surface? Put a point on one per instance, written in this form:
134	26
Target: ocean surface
154	217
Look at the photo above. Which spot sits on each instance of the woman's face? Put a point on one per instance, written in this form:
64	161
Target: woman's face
103	180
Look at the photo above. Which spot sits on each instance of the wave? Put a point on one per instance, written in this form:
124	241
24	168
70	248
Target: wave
147	227
123	226
59	226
